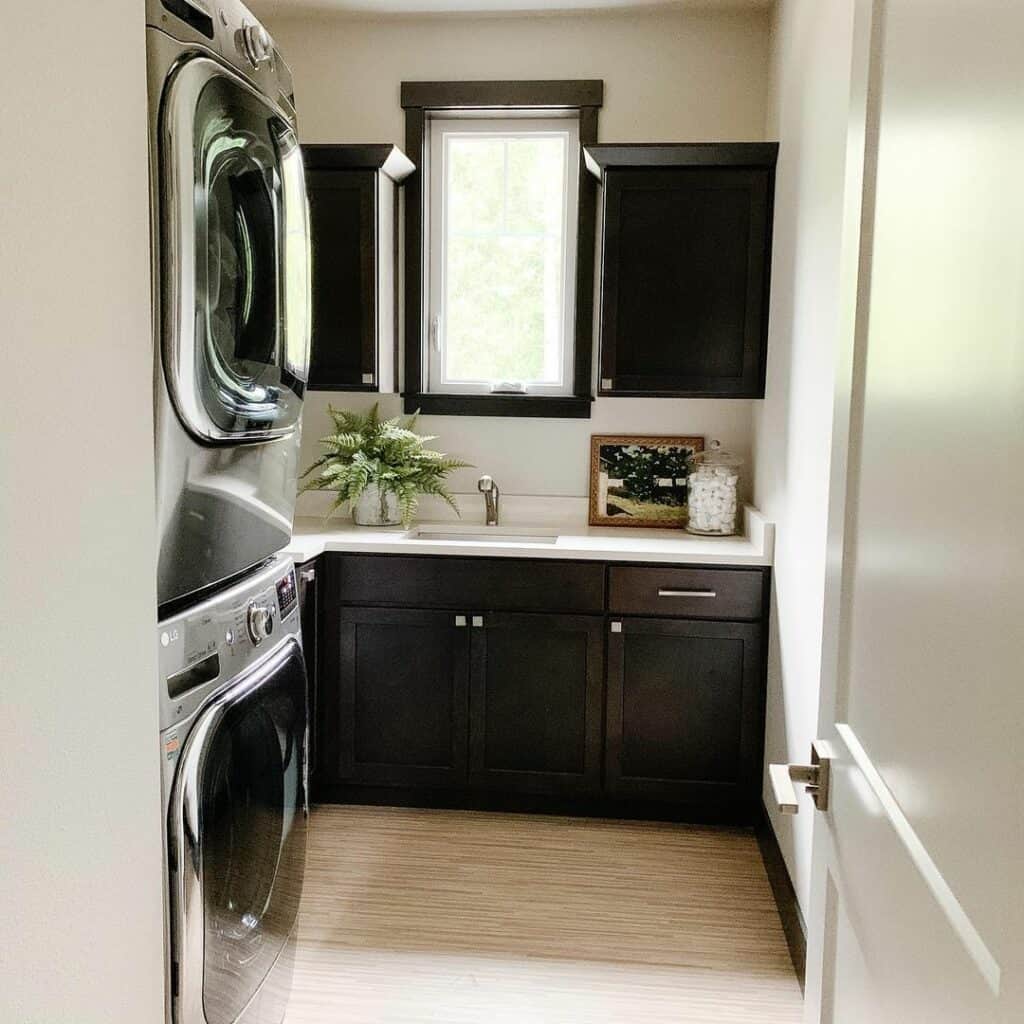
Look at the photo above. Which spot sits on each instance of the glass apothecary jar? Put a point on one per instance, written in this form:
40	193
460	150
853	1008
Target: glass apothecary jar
712	487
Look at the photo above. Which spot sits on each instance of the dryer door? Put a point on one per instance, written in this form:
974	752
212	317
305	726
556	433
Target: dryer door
235	267
237	837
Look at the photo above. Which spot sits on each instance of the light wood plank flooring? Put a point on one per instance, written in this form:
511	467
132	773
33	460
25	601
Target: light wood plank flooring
411	916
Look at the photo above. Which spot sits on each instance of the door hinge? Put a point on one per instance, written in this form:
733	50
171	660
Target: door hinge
815	776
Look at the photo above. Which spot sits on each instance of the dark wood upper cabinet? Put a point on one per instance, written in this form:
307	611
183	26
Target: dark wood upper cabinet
353	205
686	257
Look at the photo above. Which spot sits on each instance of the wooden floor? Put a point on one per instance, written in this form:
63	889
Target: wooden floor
470	918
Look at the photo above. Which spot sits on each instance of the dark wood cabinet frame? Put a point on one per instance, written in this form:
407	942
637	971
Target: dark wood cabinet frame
419	99
362	166
652	167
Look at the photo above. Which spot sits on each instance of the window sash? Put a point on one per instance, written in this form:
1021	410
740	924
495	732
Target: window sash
513	124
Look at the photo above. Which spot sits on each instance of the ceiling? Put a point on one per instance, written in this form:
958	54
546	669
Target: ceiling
280	8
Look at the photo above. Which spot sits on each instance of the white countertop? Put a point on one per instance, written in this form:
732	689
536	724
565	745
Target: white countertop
313	536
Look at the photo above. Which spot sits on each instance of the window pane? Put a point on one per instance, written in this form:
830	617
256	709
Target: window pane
504	257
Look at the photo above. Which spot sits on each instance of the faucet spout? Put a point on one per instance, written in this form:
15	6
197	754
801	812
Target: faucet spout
489	489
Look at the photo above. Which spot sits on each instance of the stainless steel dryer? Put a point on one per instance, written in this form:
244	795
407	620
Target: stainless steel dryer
233	752
231	291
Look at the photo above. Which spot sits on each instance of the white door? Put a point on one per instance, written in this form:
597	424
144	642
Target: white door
918	887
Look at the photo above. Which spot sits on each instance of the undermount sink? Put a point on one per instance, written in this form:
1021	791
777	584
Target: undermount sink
482	535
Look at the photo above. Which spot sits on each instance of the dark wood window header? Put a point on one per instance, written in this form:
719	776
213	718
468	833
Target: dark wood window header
419	99
540	95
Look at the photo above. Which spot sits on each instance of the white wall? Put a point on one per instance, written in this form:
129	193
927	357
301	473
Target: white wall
811	55
669	77
80	863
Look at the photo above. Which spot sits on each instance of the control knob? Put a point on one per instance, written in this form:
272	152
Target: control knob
260	621
257	44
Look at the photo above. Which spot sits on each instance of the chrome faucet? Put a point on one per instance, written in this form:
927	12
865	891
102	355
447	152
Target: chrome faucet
489	489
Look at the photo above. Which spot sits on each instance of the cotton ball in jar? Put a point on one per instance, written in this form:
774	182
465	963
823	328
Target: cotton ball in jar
712	487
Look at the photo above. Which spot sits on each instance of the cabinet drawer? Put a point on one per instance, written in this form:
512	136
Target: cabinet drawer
469	584
690	593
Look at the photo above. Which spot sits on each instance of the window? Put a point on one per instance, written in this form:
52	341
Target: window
502	255
499	247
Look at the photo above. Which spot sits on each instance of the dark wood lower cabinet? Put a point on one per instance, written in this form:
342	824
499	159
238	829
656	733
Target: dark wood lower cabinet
400	710
540	705
685	710
535	703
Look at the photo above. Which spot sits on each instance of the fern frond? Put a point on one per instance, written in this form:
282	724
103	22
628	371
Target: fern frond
365	449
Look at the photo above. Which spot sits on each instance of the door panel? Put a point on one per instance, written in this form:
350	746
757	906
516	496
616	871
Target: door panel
921	700
685	268
684	706
536	703
886	907
342	214
402	685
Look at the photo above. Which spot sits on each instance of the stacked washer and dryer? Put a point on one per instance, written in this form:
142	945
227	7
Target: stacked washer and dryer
231	295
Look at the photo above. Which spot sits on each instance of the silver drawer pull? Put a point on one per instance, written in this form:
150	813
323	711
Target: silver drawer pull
666	592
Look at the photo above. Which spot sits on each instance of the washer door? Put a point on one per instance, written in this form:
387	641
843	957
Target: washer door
235	265
237	831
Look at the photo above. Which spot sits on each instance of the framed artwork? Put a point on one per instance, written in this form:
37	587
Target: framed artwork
640	480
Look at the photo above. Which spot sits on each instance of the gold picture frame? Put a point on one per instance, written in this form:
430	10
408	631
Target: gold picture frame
649	491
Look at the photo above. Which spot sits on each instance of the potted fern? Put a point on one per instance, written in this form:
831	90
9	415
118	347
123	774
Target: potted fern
379	467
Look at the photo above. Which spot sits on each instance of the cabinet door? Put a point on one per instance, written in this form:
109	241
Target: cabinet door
535	703
684	285
398	708
343	346
685	710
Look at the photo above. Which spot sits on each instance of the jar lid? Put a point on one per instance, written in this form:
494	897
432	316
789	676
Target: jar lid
716	455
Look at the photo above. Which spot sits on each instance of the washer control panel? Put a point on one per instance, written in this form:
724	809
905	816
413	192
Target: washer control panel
207	646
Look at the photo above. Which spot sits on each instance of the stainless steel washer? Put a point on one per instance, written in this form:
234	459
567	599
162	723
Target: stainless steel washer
231	292
233	744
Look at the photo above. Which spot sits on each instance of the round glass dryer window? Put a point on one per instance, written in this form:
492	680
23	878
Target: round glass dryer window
243	154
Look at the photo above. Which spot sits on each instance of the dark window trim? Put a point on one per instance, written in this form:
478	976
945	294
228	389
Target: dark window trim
552	406
586	97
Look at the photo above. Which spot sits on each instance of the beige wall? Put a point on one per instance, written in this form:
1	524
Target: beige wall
80	862
677	76
811	55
